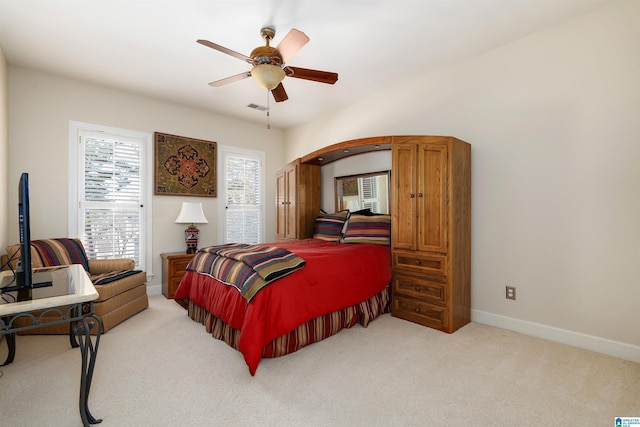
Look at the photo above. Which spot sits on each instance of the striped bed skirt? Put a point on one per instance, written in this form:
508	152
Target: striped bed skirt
308	333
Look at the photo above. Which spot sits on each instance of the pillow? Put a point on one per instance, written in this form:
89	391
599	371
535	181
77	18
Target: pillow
329	226
61	252
365	211
368	229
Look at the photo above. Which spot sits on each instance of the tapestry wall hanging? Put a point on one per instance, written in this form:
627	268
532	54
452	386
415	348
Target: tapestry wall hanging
184	166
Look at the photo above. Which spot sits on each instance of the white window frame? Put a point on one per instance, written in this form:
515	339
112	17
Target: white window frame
369	202
227	151
76	166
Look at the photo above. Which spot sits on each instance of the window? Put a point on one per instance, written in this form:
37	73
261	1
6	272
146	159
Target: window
369	189
242	207
108	192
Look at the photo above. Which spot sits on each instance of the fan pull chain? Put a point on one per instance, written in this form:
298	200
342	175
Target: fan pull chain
268	118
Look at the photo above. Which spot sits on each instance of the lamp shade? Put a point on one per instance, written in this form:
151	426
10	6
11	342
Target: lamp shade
191	213
267	75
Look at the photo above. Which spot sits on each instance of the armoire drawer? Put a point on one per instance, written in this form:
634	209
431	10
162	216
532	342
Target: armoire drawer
419	262
418	311
423	289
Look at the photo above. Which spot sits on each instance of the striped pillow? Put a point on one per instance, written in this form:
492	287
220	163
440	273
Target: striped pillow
329	226
61	252
374	229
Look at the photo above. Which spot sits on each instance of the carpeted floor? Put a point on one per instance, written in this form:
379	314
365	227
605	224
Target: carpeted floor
160	368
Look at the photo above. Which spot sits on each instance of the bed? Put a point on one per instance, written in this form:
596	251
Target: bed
338	285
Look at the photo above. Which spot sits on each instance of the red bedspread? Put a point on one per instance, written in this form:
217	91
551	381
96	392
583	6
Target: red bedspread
335	276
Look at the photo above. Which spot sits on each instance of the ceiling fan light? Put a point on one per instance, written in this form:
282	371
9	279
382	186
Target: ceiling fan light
267	75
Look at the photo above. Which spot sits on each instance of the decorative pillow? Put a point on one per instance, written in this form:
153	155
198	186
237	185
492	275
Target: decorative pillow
365	211
368	229
329	226
61	252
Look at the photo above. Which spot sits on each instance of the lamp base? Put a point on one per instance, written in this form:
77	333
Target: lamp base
191	235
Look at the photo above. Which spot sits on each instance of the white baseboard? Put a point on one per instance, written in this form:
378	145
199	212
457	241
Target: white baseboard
154	290
563	336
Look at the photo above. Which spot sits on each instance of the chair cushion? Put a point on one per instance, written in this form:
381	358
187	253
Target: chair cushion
103	279
117	287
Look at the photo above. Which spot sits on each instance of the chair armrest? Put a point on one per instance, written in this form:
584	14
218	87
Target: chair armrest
101	266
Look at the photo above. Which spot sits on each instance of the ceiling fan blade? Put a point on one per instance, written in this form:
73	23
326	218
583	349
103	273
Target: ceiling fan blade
231	79
279	94
313	75
225	50
292	42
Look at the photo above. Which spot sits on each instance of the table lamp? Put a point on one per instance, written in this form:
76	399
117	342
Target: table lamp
191	213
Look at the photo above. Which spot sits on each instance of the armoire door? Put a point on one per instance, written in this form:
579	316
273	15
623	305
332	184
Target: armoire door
291	191
404	179
281	200
432	198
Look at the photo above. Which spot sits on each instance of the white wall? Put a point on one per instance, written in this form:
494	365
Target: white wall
554	123
4	157
40	108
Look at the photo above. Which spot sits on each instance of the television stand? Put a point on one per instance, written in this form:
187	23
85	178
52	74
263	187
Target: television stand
74	306
34	286
41	278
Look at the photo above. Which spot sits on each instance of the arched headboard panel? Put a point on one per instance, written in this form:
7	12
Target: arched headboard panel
344	149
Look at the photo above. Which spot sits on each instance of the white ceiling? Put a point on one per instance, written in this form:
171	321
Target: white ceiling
149	47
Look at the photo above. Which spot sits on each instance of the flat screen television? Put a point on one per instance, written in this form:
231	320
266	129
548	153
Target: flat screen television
25	280
24	274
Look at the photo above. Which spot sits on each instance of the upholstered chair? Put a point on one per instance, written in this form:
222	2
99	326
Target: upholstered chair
122	289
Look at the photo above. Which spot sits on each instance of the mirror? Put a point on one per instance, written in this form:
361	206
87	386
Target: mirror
363	191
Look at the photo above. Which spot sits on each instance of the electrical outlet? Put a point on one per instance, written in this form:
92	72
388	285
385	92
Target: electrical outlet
511	292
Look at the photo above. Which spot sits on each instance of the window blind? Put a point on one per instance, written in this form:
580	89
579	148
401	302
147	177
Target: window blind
369	191
110	214
243	199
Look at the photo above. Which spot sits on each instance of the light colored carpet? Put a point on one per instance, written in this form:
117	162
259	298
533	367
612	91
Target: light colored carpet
160	368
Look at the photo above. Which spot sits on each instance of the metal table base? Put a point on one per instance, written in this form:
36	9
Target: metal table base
81	319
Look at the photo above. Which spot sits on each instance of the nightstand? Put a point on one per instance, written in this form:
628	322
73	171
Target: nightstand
173	269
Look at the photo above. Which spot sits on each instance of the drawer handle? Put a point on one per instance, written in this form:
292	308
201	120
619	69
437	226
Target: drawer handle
417	310
417	288
416	261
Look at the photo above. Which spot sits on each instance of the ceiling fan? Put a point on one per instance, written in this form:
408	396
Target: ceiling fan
269	67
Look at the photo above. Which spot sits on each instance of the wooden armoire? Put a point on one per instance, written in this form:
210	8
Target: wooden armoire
297	200
430	220
431	231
